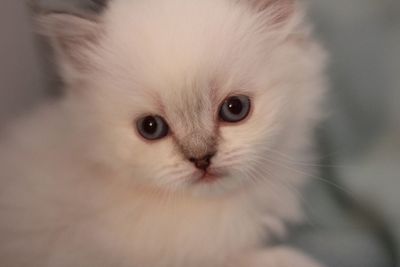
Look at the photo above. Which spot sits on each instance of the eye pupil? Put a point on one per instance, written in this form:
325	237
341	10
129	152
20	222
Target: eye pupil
235	106
150	125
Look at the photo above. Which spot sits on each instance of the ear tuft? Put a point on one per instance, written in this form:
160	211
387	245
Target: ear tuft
280	10
72	37
62	25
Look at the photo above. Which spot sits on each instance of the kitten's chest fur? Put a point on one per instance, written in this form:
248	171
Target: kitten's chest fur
177	232
81	219
156	231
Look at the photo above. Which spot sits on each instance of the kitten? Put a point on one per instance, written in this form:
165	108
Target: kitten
175	143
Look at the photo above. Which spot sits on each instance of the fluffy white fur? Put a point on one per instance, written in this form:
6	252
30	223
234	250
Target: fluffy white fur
79	187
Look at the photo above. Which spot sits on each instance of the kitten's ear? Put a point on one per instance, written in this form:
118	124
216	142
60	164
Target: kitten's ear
72	37
278	10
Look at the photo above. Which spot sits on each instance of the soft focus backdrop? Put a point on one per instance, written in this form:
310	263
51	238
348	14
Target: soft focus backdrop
353	203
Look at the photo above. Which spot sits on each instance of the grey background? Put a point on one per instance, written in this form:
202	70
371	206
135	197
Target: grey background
21	76
353	205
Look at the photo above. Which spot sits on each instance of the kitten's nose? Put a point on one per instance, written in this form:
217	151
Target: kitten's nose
202	163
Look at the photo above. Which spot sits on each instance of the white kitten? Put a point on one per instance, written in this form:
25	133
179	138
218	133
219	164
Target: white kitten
175	142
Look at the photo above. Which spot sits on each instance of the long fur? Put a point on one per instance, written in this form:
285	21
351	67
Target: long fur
80	187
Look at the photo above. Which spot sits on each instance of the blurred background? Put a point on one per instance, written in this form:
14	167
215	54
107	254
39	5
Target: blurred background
353	205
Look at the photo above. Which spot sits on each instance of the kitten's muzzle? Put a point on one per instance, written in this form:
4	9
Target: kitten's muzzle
198	148
202	163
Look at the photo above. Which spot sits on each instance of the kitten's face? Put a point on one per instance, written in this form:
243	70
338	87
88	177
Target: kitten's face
200	135
190	95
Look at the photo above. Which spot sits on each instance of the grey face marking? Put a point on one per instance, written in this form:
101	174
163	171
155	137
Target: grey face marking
194	126
198	145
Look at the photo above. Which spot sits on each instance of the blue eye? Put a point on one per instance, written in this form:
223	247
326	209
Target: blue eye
152	127
235	108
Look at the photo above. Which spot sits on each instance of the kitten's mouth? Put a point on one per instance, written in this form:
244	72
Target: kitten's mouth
209	176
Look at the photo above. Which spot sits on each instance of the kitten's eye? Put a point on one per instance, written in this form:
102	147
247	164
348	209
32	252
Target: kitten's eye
235	108
152	127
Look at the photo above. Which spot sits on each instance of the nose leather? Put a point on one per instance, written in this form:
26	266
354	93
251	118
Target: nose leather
202	163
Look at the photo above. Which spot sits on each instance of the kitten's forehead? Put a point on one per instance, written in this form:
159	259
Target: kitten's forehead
179	37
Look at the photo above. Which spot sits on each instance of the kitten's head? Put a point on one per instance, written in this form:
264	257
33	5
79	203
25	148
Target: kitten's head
191	95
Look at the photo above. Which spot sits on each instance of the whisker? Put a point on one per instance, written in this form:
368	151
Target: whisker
292	188
341	188
305	163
